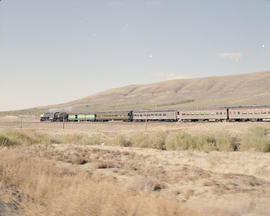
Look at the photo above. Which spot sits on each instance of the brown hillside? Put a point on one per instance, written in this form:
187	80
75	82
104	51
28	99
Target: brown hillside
236	90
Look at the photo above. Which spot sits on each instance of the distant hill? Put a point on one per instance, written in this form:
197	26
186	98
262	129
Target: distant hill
235	90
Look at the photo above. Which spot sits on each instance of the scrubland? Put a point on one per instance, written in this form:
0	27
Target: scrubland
42	188
154	169
255	139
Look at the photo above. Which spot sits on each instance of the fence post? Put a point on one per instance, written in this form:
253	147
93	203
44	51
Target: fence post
146	122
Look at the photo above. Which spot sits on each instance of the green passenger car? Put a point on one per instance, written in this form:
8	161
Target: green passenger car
72	117
90	117
81	117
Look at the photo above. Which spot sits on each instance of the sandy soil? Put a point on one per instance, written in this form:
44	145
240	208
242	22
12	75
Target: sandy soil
219	183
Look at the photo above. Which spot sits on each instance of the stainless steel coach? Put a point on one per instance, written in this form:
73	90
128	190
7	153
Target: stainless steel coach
155	115
216	114
255	113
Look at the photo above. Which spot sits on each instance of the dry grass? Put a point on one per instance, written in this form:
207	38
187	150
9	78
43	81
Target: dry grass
81	139
203	142
118	140
5	141
10	137
177	140
47	190
256	139
61	178
154	140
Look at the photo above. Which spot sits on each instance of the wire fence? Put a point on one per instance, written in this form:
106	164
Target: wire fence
26	124
107	126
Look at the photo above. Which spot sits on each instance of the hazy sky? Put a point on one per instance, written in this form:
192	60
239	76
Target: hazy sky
53	51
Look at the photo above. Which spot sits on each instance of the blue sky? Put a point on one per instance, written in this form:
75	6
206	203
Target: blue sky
55	51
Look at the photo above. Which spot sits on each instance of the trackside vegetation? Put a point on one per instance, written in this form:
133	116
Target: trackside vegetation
256	139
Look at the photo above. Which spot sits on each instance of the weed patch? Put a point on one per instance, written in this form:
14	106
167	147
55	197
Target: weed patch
56	191
25	137
154	140
203	142
256	139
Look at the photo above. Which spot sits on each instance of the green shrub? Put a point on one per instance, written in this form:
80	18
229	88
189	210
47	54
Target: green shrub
256	139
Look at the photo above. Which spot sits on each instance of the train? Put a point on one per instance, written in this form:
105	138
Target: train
245	113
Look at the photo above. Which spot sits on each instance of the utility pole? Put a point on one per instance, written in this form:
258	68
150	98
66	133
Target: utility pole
63	122
146	122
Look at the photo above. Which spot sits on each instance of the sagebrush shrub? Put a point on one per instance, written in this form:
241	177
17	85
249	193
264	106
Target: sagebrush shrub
203	142
256	139
179	141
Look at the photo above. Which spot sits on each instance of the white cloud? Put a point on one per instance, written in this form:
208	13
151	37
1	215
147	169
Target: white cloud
171	76
234	56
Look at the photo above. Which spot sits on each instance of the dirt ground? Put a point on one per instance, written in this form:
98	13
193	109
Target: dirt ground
217	183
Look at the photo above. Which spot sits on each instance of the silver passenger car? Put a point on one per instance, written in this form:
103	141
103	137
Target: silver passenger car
255	113
155	115
216	114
